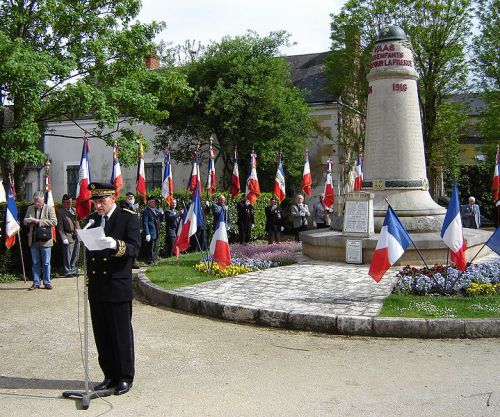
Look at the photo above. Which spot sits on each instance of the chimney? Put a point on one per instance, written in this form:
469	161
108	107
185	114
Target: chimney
152	62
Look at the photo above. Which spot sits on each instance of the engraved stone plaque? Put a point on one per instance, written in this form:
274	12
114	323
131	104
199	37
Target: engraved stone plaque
354	251
358	215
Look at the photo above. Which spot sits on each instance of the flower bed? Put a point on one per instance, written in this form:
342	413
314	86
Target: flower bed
254	257
477	279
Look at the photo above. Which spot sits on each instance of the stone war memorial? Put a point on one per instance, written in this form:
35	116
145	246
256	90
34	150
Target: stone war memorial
394	170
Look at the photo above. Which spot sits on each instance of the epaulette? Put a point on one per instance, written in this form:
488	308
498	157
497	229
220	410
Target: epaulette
130	211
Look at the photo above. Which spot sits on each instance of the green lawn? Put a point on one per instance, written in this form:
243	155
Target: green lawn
172	273
481	306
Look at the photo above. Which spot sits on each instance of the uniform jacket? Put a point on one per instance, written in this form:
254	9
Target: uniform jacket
171	221
151	218
67	224
48	218
300	214
273	218
471	216
246	215
110	271
216	209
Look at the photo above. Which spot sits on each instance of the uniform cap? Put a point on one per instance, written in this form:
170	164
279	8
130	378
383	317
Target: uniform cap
101	189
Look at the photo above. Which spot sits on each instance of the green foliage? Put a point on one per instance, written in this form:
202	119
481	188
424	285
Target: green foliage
242	94
65	59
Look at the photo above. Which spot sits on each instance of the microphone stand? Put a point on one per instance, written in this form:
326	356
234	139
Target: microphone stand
86	395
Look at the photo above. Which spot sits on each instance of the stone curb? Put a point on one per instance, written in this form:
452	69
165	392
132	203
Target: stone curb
344	325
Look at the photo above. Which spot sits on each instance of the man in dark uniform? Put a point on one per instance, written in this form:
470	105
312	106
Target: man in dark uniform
245	219
110	287
172	222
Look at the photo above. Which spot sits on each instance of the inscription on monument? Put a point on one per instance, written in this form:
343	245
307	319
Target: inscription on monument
354	251
358	214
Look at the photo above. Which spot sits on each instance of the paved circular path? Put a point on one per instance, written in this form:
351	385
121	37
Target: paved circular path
311	295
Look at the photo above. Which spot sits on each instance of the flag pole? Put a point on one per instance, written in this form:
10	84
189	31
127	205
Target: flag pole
21	253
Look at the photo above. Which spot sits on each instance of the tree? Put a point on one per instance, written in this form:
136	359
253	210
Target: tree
64	59
487	60
242	94
438	31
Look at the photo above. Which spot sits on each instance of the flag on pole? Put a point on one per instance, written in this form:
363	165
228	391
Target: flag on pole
83	204
3	196
306	176
219	246
140	184
49	200
358	173
116	174
452	233
167	185
328	190
252	191
179	231
495	184
494	241
211	181
194	220
235	177
279	181
195	178
391	245
11	218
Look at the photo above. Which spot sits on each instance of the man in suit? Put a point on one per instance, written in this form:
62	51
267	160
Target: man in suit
151	218
245	219
37	216
471	215
171	222
110	292
67	225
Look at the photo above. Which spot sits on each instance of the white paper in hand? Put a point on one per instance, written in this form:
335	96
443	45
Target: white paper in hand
91	238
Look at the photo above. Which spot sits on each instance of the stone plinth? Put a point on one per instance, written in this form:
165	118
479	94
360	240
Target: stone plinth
330	246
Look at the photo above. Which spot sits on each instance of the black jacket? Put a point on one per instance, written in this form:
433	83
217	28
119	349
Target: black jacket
110	271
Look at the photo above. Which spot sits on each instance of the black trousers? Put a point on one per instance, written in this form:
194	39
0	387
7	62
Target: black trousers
114	338
273	234
169	240
152	251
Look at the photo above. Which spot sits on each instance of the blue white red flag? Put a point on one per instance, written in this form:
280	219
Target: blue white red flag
235	177
279	181
452	233
495	184
83	204
140	183
252	191
11	219
391	245
328	190
49	200
194	178
494	241
211	181
116	173
167	185
306	176
219	246
194	220
358	173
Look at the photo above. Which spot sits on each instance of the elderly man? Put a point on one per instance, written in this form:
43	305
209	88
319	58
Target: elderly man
321	213
40	218
67	224
471	215
300	213
110	287
218	208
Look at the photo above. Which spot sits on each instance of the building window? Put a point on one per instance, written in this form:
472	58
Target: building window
72	173
153	175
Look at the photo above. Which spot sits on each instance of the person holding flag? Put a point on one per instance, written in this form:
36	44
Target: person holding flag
452	233
83	204
235	177
140	184
392	243
219	246
116	174
279	180
306	176
11	219
167	185
40	218
67	225
190	224
252	191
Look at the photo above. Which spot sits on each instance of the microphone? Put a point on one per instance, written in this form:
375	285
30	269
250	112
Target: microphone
90	223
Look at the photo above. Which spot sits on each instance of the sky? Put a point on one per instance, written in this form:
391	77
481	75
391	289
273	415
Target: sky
308	21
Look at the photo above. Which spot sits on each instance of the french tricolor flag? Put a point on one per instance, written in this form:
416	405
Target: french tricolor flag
495	184
358	173
211	181
279	182
140	182
235	177
82	204
167	185
252	191
11	219
452	233
219	246
194	219
306	176
116	173
49	200
328	190
195	178
391	245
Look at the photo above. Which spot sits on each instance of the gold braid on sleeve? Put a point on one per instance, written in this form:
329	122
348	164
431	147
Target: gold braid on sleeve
121	248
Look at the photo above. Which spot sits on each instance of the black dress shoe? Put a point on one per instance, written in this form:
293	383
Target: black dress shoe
123	387
106	384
